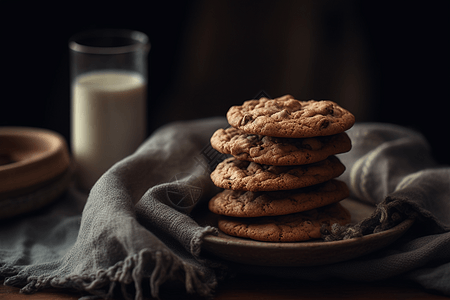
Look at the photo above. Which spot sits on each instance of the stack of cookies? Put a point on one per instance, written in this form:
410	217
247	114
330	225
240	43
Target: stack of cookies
280	182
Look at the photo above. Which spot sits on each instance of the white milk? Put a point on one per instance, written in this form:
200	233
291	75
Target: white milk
108	121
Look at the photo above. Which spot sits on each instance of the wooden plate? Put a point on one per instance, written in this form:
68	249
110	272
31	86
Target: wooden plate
31	160
310	253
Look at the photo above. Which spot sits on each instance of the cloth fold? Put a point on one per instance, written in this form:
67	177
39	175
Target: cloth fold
391	167
134	230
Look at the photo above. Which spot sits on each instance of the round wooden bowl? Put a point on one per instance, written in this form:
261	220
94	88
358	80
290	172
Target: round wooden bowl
30	158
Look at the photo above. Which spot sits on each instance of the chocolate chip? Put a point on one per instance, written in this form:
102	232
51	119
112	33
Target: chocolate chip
324	124
330	110
245	119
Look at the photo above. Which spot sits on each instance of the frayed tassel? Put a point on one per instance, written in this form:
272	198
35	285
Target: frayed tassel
157	276
190	279
131	270
137	272
31	287
8	270
196	242
386	216
341	232
194	284
383	214
192	276
16	280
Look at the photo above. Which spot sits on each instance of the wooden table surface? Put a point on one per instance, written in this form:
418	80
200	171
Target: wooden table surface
245	287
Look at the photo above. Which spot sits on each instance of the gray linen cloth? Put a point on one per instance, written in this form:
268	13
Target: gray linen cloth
134	233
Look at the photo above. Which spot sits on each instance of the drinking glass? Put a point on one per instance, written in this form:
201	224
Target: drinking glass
108	99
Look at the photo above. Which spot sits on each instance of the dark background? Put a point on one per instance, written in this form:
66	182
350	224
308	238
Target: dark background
384	61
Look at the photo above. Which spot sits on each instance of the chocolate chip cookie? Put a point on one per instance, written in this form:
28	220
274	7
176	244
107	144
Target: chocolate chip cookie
287	228
257	204
278	151
242	175
290	118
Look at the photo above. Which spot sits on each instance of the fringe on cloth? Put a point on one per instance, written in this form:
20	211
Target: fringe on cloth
387	215
129	271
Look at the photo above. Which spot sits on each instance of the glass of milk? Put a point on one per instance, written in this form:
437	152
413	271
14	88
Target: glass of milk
108	99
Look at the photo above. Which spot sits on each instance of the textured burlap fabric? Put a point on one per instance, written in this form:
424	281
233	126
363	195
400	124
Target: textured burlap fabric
391	167
134	230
